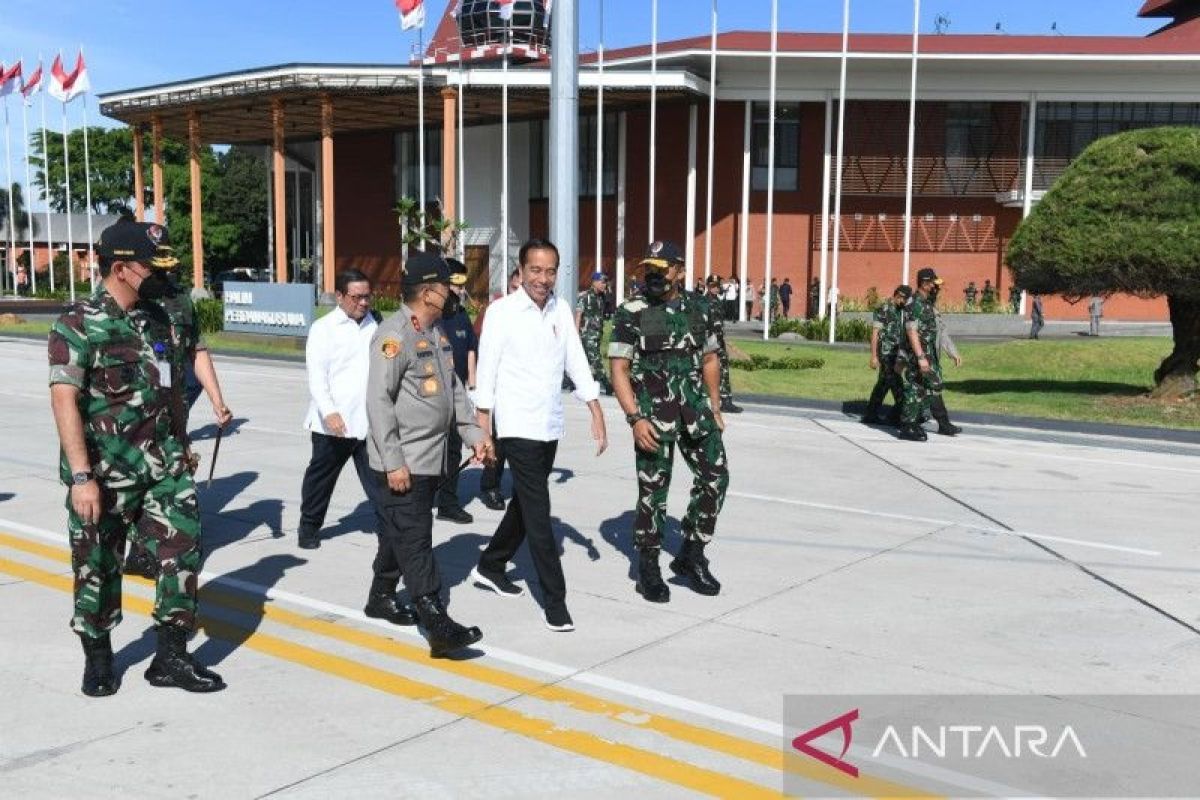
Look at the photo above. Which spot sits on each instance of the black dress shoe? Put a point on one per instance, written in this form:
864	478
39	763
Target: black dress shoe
692	566
385	607
310	541
455	515
98	677
445	635
650	583
493	499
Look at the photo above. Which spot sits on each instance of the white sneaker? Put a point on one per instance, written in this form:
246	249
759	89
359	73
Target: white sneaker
499	584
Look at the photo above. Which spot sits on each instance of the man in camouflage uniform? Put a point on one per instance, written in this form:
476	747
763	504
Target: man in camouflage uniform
716	311
667	375
110	389
887	339
589	319
923	375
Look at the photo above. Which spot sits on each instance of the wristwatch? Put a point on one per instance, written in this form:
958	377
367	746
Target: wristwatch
80	478
633	418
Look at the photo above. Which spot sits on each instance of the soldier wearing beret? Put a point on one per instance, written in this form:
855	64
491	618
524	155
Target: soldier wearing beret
111	375
413	399
716	308
589	319
667	376
887	344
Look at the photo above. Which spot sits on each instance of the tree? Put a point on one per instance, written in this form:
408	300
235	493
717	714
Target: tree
21	216
1125	217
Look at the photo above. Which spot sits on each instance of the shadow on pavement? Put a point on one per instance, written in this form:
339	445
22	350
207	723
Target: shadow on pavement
6	496
995	386
209	431
224	526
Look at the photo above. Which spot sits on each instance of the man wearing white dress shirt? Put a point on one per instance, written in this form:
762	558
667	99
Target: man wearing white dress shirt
336	357
529	340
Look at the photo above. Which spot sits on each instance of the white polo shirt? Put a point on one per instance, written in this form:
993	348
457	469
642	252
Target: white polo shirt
336	357
523	352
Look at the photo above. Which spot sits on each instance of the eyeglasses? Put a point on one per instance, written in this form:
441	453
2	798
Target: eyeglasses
360	298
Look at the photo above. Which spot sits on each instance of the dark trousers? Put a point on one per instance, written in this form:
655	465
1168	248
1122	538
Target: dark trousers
447	495
528	515
406	537
329	455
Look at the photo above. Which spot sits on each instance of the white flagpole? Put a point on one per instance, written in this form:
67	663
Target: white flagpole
600	144
87	179
837	183
653	106
67	175
912	140
766	300
28	196
46	185
504	162
12	221
462	163
712	140
421	127
826	166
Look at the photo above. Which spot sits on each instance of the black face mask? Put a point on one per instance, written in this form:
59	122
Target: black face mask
155	286
656	284
933	293
451	306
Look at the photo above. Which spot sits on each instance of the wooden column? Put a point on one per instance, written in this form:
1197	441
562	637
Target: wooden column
449	156
328	241
139	180
157	172
197	217
280	200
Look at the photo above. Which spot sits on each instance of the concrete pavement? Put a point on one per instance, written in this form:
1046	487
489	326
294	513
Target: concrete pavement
1003	561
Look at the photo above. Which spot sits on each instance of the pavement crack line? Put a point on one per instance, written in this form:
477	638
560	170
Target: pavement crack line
1129	593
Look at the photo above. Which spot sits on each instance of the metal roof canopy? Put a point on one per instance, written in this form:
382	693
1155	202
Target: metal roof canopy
234	108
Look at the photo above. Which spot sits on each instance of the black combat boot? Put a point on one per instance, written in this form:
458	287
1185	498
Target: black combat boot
730	407
98	677
382	604
945	426
174	666
913	433
692	566
444	634
650	583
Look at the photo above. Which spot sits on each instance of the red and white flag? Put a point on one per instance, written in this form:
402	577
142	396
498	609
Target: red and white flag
412	13
66	86
506	9
10	79
32	85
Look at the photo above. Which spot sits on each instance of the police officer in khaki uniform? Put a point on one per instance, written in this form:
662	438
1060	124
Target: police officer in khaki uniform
413	399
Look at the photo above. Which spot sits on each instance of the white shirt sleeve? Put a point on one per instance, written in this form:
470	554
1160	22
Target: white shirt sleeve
316	362
577	367
487	364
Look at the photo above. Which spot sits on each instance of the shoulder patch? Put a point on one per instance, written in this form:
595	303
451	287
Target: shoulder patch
390	347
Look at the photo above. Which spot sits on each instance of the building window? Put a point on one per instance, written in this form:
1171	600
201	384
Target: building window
406	158
539	157
787	146
1065	129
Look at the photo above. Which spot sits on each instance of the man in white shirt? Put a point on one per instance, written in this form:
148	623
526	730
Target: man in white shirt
529	340
336	357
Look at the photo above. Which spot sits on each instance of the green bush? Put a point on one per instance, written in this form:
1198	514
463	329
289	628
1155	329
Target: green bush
211	314
757	362
817	330
385	305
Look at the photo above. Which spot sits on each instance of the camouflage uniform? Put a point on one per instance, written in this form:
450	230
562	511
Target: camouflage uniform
888	319
113	358
920	389
174	324
591	330
666	343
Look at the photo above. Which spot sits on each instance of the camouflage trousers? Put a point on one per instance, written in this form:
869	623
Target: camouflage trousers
168	516
888	379
919	391
710	478
591	346
723	357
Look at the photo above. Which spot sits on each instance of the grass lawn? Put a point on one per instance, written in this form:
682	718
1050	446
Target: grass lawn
1101	380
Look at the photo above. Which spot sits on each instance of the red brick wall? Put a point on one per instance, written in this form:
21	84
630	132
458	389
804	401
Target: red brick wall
368	238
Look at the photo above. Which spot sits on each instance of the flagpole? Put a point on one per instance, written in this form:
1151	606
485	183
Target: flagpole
462	163
87	181
766	300
46	188
837	183
67	174
12	221
912	139
421	127
600	145
504	160
29	196
653	107
712	139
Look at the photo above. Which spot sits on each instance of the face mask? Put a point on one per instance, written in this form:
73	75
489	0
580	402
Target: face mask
451	306
154	287
933	293
656	284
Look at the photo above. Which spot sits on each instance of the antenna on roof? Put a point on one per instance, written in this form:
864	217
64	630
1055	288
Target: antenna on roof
1054	29
941	24
999	28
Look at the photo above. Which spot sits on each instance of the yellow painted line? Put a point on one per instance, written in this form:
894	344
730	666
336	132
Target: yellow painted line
657	766
765	755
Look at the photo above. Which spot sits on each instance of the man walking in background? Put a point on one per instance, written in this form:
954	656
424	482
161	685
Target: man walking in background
589	319
1037	317
1095	312
457	326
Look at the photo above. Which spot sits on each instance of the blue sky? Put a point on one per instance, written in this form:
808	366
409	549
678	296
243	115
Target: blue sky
130	44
